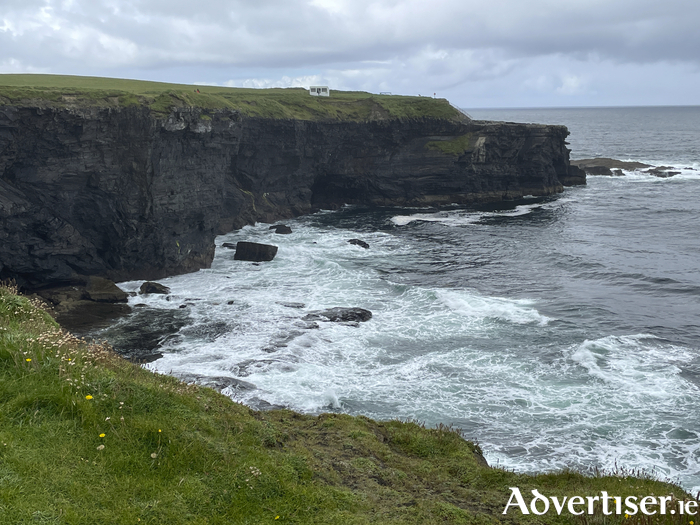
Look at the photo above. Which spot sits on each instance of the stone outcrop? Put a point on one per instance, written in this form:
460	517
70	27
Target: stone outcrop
339	315
125	194
282	229
253	251
359	242
151	287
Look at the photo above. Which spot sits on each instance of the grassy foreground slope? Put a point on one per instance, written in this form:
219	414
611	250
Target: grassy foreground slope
86	437
73	91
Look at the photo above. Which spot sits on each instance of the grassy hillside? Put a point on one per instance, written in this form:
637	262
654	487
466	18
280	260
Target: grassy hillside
73	91
86	437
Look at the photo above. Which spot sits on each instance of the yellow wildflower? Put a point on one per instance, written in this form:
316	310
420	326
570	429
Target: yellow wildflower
102	435
88	397
28	359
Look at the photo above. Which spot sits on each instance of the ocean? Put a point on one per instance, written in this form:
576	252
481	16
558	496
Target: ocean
557	332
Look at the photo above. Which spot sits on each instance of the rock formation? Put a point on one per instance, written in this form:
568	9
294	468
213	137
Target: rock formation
124	194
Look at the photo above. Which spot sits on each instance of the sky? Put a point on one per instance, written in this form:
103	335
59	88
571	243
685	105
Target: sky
477	54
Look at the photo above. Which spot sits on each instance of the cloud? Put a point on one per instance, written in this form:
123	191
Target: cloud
406	45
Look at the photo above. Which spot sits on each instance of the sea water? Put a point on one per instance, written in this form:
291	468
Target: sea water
557	332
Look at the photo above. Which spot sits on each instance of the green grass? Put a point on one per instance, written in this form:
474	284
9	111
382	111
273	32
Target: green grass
86	437
457	146
294	103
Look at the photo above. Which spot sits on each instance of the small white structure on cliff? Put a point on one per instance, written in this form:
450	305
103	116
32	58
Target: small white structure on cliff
319	91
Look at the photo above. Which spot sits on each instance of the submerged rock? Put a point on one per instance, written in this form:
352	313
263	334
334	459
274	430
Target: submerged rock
339	315
151	287
253	251
218	382
358	242
139	336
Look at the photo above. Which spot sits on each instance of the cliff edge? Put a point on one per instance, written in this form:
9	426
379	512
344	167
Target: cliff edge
130	191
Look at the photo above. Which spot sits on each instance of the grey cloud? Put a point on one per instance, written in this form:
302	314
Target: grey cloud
275	33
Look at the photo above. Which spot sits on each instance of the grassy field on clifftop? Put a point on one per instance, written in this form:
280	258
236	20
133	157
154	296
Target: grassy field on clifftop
293	103
86	437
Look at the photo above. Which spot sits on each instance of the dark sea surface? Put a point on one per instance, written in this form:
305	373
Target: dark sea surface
557	332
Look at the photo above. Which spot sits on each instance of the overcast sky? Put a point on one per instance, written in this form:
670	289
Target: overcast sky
493	53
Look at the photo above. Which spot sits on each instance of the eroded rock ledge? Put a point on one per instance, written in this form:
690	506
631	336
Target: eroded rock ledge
123	194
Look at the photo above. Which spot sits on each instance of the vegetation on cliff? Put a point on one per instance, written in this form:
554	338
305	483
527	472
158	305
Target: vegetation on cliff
293	103
86	437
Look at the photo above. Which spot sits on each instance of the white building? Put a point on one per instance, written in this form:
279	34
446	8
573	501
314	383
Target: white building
319	91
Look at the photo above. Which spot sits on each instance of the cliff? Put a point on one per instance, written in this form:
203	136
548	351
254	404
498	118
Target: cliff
126	192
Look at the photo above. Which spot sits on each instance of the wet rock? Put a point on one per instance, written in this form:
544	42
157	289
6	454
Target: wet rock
74	309
291	305
339	315
81	317
151	287
282	229
663	172
260	404
103	290
358	242
209	331
139	336
229	245
218	382
253	251
590	165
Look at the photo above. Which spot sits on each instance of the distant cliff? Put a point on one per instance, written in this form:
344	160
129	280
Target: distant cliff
127	193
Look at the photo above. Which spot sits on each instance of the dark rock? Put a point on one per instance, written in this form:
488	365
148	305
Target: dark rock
663	172
151	287
292	305
598	170
182	306
605	162
81	317
104	291
359	242
253	251
140	335
575	176
282	229
338	314
127	194
229	245
263	406
218	382
230	302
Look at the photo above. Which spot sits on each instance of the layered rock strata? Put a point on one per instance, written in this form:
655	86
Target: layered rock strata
123	194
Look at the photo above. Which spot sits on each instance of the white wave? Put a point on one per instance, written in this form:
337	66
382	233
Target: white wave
519	311
463	218
630	363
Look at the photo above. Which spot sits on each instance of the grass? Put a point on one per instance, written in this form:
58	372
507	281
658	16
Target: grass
457	146
86	437
63	91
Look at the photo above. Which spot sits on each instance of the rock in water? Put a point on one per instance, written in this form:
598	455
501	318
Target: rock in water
151	287
104	291
282	229
339	315
229	245
359	242
252	251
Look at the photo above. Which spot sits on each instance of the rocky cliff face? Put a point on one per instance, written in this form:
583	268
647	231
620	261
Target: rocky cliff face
124	195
